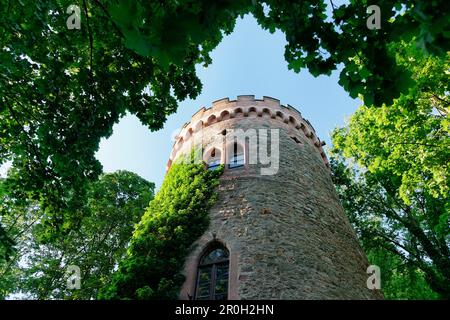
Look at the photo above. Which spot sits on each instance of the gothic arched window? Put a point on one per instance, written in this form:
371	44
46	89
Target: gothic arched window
212	275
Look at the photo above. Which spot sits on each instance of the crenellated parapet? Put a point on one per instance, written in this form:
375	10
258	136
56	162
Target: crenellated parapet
247	106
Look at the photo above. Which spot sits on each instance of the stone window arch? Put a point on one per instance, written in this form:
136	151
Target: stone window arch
213	274
236	156
213	158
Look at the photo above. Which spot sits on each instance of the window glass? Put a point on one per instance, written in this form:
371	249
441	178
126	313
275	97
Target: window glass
212	275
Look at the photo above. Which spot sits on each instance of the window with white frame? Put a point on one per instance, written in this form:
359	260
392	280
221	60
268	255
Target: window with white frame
237	157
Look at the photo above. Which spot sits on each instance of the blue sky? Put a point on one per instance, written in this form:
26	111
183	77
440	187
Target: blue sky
249	61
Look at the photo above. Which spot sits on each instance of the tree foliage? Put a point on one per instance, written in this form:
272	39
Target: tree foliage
115	203
400	280
167	30
397	190
62	90
173	221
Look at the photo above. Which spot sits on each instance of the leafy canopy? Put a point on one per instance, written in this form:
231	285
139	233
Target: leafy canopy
62	91
115	203
166	30
392	172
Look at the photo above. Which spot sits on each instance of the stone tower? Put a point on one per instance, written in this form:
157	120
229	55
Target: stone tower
279	234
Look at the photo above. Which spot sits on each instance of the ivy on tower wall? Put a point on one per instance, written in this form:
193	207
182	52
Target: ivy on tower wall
175	218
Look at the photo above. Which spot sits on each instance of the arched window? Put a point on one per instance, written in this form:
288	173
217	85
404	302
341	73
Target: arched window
236	157
213	159
212	276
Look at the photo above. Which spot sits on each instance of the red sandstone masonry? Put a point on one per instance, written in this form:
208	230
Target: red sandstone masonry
247	106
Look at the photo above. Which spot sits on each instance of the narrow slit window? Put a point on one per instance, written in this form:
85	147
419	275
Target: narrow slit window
237	158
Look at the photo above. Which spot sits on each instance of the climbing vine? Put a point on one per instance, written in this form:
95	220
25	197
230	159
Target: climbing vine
175	218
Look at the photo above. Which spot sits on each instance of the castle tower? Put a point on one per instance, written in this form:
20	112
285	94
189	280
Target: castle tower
278	230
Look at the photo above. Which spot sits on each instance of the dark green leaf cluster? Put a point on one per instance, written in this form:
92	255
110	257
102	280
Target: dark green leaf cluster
61	92
170	30
6	245
173	221
321	43
37	269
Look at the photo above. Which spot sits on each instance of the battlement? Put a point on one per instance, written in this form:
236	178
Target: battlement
247	106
